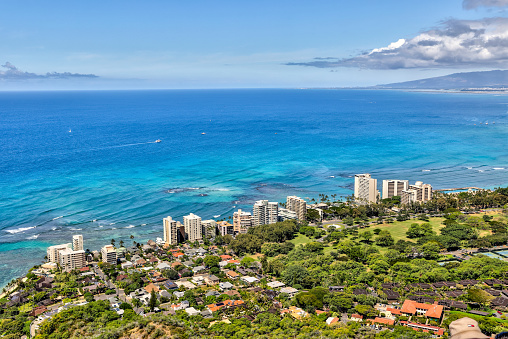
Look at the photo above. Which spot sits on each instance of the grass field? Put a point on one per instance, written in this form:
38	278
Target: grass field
398	229
301	239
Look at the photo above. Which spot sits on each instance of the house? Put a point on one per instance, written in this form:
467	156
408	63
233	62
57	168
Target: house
211	280
225	286
170	285
234	262
434	311
165	294
163	266
192	311
391	296
249	280
186	284
356	317
140	262
295	312
332	320
176	264
178	294
275	284
181	306
38	311
232	293
212	292
438	331
122	277
382	321
336	288
232	275
198	269
151	287
290	291
226	257
178	255
126	265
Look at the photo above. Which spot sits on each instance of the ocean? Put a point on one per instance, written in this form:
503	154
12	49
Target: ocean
85	162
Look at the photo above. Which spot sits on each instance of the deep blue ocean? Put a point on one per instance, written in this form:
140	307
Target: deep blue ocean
68	158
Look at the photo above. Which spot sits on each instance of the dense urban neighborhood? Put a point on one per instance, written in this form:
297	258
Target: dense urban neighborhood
333	269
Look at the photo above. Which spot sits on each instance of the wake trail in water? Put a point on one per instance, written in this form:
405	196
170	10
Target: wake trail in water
125	145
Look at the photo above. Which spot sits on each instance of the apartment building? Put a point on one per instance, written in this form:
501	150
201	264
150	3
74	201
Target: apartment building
77	242
393	188
225	228
192	225
297	205
241	221
170	231
265	212
70	259
285	214
108	253
53	252
366	188
419	192
209	228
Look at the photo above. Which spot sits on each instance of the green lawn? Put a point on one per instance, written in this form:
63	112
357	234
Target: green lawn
398	229
301	239
504	322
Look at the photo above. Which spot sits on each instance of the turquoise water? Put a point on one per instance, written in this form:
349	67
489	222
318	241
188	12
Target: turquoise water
258	144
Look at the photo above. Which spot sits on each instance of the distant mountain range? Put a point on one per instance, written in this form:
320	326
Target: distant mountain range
457	81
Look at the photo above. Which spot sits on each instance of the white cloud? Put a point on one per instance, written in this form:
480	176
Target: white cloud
471	4
455	44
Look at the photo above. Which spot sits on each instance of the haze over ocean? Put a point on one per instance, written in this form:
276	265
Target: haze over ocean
259	144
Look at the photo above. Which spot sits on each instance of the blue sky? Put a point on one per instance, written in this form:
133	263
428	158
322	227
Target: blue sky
230	44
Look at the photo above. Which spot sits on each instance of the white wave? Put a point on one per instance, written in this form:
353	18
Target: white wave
94	220
332	176
216	216
101	226
425	170
498	168
53	228
470	168
143	224
480	171
33	237
76	229
18	230
58	217
223	189
130	226
113	223
114	228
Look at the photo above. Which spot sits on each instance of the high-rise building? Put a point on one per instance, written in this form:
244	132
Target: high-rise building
209	228
109	254
298	205
285	214
70	259
241	221
192	224
393	188
53	252
419	192
225	228
170	231
77	242
366	188
265	212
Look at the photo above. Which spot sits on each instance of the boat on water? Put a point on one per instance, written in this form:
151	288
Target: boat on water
216	216
70	130
203	133
158	140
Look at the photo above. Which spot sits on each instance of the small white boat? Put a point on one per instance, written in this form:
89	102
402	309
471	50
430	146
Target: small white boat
203	133
158	140
70	131
216	216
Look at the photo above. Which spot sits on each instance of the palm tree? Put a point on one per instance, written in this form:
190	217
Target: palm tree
113	242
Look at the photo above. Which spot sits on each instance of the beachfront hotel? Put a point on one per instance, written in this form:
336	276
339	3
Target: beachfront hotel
170	231
366	188
297	205
265	212
192	225
108	253
241	221
393	188
419	192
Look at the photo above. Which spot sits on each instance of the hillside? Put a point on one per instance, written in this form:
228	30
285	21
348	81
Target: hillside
467	80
